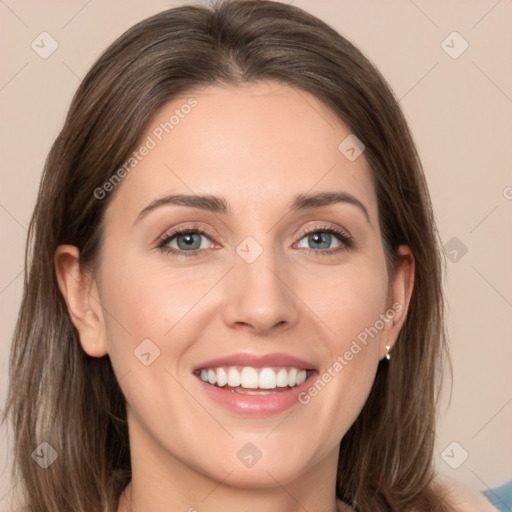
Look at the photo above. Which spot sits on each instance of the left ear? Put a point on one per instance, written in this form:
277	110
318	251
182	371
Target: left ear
400	292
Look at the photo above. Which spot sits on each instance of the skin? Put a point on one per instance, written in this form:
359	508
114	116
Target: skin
258	146
461	497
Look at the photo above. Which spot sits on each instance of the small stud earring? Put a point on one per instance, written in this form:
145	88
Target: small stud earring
388	355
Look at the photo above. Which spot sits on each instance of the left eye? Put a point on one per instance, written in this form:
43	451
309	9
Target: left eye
322	239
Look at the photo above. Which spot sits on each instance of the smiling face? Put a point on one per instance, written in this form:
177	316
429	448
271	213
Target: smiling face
264	269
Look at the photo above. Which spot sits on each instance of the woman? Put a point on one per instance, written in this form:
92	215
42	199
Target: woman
233	297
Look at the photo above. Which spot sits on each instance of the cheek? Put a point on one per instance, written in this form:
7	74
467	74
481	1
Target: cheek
147	299
351	304
349	300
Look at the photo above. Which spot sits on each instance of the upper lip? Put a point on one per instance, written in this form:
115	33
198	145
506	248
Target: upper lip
257	361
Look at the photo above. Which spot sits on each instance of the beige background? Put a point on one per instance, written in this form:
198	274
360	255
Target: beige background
460	112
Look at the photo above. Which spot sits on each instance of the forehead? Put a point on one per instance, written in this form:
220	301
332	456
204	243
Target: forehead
261	143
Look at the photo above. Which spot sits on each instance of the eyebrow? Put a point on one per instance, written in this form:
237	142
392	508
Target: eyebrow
216	204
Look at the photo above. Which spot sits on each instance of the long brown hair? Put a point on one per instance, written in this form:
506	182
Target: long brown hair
61	396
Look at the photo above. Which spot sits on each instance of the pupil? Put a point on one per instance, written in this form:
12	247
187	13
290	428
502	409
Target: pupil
317	238
189	240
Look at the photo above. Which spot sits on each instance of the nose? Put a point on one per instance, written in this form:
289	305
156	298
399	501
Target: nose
260	297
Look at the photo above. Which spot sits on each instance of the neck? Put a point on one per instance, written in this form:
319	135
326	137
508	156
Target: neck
127	503
162	482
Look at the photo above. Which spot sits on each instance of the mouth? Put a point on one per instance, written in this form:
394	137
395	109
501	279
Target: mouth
250	380
252	385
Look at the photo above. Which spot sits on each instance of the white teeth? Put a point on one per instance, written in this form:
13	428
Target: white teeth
249	378
254	378
233	377
282	378
292	377
222	378
301	377
212	376
267	379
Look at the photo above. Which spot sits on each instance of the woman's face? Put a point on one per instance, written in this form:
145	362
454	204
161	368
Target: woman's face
266	276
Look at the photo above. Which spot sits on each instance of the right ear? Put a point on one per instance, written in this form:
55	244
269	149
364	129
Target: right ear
80	292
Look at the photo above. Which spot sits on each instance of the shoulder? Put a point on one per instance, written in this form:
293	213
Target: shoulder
461	497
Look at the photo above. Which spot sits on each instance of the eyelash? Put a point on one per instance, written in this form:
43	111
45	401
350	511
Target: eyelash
345	239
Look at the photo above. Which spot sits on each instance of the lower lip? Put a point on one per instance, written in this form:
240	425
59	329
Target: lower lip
257	405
